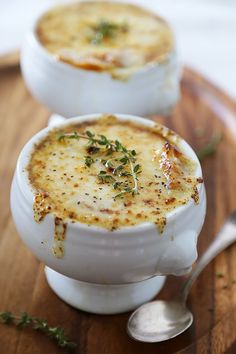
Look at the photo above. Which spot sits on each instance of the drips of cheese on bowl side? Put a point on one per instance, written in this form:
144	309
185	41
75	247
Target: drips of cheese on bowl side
104	36
111	173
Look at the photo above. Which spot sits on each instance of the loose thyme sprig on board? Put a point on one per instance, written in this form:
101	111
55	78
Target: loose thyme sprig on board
116	167
38	324
210	147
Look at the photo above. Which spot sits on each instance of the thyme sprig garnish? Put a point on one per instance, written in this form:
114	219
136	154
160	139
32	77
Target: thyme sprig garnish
122	165
105	30
210	147
25	320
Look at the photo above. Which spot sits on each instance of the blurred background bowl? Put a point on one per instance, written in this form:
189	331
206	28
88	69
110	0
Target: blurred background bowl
69	91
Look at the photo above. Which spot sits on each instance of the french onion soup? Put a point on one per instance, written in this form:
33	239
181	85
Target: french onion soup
104	36
110	173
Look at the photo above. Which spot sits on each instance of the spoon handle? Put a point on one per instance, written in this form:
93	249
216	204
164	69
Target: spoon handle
224	238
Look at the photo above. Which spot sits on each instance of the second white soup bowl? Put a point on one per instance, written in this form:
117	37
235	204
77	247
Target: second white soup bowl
71	91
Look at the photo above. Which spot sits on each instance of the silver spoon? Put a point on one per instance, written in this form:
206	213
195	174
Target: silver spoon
160	320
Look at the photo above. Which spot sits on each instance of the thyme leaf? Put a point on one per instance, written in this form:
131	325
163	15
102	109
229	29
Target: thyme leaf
88	161
75	135
6	317
105	178
24	320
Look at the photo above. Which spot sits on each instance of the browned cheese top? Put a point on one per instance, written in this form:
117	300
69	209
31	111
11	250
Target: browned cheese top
104	36
80	181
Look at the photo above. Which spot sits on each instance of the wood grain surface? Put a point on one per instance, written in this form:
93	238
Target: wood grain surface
9	60
22	283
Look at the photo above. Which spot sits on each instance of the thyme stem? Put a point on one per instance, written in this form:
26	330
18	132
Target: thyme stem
38	324
135	178
210	147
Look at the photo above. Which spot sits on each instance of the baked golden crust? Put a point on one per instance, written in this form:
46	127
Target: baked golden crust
105	36
71	190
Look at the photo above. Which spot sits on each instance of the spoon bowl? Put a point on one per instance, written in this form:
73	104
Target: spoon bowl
158	321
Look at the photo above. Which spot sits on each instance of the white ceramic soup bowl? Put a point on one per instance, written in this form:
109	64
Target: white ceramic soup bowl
108	271
70	91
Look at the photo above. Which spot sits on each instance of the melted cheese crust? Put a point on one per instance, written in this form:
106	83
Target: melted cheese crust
64	186
67	32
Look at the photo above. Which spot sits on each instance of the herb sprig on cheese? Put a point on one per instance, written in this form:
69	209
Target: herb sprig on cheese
119	162
105	29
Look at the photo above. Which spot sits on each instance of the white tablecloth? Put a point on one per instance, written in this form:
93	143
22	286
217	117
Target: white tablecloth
205	32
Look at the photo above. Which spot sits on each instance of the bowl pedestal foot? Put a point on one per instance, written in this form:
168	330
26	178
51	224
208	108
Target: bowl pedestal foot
101	298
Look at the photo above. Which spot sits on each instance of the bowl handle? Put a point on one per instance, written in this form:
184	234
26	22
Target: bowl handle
55	119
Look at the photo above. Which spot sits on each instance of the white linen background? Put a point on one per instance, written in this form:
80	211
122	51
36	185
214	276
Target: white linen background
205	31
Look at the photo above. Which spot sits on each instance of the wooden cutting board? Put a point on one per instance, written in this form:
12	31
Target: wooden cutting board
203	110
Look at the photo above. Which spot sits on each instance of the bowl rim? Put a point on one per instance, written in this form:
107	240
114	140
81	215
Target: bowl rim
28	193
70	69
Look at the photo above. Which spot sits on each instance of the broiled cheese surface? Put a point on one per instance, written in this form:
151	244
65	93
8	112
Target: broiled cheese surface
133	37
64	186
